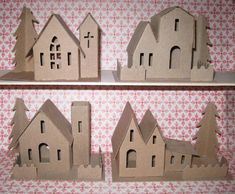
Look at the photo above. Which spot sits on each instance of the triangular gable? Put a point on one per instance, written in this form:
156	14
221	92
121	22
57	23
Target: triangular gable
66	28
89	15
56	117
148	125
122	127
137	36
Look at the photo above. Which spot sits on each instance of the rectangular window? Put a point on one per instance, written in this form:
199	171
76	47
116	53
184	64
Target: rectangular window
52	56
150	59
52	65
182	159
30	154
58	154
176	24
131	135
79	126
141	59
154	139
153	161
69	59
41	59
42	124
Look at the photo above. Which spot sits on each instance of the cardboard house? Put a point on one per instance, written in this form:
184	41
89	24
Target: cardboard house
141	152
56	53
172	45
50	147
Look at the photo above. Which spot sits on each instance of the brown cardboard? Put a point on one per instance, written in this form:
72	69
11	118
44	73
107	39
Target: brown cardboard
168	47
89	32
49	144
134	146
206	137
25	37
18	123
56	53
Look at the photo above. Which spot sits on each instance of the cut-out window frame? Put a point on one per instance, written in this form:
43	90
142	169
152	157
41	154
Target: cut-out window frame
55	54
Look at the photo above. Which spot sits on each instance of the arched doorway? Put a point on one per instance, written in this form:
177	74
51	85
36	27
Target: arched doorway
131	159
44	153
174	62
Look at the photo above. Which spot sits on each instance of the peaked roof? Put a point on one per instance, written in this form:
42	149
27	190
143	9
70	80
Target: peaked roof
57	118
136	36
89	15
64	25
122	127
184	147
147	126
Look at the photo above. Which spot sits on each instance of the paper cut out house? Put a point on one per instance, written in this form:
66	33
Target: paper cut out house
141	152
52	148
172	45
58	54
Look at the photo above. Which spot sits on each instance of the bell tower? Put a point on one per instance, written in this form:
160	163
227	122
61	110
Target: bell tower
81	129
89	32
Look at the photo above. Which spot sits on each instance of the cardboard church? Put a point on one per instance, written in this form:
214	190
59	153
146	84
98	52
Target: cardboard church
142	153
50	147
172	45
56	53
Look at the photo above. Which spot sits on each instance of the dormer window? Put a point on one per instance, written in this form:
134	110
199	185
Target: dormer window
176	24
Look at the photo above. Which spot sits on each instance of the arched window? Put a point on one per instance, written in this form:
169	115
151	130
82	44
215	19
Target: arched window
55	53
131	135
131	159
44	153
182	159
174	62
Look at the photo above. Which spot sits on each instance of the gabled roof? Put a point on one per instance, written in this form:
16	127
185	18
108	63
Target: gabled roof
89	15
147	126
122	128
56	117
64	25
136	36
184	147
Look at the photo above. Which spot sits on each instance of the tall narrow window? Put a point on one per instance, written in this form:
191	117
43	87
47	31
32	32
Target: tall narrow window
79	126
182	159
154	139
131	135
131	159
141	59
58	154
176	24
150	59
55	53
41	59
153	161
172	159
42	124
174	62
88	37
30	154
69	58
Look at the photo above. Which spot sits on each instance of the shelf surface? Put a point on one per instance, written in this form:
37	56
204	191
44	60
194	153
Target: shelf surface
108	79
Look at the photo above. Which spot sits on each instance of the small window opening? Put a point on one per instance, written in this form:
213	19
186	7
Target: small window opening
141	59
131	135
42	123
79	126
58	154
172	159
150	59
30	154
182	159
176	24
69	58
153	161
42	59
154	139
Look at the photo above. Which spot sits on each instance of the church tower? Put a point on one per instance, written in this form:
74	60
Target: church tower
81	129
89	32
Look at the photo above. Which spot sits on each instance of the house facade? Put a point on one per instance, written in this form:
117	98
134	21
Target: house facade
50	147
140	150
166	47
59	55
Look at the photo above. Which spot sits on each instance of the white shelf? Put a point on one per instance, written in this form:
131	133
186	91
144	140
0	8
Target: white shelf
107	79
